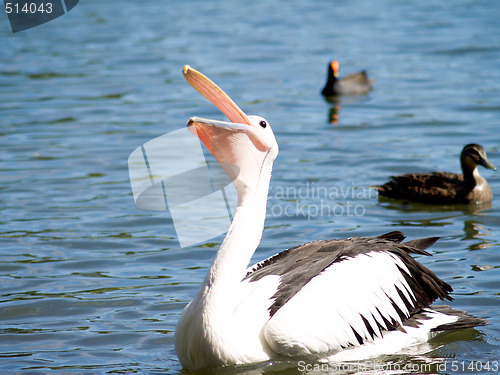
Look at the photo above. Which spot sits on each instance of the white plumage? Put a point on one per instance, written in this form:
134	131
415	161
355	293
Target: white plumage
360	291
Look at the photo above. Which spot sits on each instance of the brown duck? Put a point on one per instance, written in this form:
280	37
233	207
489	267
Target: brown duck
352	84
444	187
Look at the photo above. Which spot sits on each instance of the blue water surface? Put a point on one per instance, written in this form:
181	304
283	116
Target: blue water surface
92	284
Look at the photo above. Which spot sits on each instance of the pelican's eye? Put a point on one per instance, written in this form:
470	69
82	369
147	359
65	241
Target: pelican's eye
263	123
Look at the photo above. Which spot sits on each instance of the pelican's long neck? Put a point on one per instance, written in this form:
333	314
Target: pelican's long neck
244	233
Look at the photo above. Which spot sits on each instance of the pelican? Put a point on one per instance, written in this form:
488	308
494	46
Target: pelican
361	296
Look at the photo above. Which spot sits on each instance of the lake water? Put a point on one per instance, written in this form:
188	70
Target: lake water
91	284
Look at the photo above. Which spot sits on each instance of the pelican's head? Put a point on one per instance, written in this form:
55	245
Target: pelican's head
244	147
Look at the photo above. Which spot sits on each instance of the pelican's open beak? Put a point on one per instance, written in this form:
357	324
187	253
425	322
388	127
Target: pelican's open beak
215	94
240	145
211	132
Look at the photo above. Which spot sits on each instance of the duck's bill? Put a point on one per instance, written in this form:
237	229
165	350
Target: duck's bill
335	68
215	95
489	165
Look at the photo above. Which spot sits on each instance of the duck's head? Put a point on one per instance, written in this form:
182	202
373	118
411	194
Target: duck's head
335	67
474	155
333	74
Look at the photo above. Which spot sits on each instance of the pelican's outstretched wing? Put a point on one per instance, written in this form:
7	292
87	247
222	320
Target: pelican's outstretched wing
339	293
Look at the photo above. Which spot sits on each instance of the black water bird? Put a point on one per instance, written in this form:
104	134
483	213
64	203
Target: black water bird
352	84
